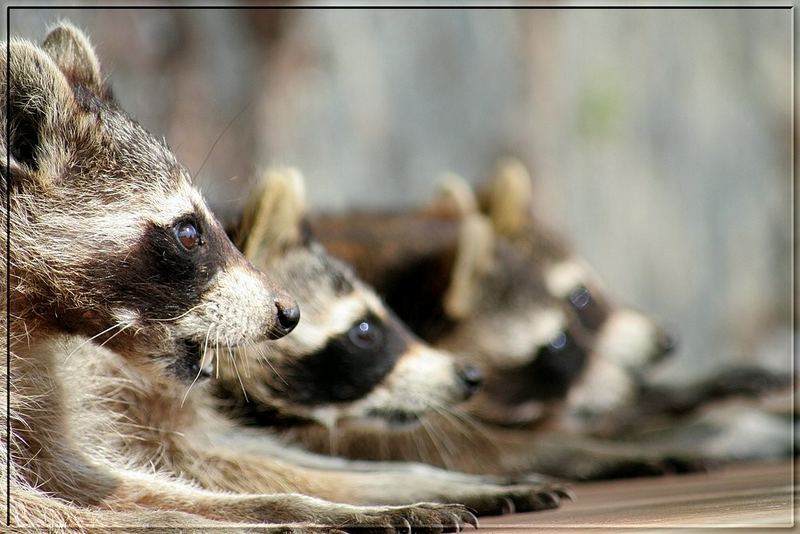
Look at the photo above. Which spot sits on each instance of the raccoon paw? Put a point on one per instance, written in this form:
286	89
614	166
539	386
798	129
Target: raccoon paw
502	500
747	382
648	467
416	518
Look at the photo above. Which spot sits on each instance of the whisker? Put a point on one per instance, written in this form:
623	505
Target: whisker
199	372
216	350
444	456
470	422
238	376
219	137
190	310
115	334
263	355
76	349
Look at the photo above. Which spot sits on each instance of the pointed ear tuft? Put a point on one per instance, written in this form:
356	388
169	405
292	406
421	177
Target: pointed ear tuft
273	219
474	259
510	197
455	196
75	56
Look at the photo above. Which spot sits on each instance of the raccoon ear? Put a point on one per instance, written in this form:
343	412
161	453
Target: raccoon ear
455	196
510	197
273	219
35	102
474	258
73	53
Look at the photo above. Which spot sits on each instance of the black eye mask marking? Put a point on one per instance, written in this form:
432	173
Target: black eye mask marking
549	376
159	277
591	310
348	367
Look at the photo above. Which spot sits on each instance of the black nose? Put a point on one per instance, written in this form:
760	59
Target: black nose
471	377
665	345
288	316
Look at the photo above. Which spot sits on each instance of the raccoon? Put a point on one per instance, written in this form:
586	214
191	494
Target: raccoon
350	357
423	402
443	284
466	289
349	360
116	260
623	336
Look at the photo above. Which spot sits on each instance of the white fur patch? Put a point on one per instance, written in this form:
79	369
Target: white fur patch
604	387
126	316
627	338
562	278
177	204
518	339
238	309
338	318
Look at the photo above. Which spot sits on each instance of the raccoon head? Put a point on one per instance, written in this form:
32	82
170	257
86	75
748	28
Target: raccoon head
528	345
110	240
349	359
624	337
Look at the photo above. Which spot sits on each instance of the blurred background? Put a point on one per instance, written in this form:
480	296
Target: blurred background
660	141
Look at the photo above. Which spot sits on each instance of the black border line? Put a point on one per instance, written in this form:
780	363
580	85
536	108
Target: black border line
7	186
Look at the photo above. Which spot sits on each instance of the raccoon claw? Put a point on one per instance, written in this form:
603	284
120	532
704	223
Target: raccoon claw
550	500
502	500
457	523
472	519
565	493
419	518
508	506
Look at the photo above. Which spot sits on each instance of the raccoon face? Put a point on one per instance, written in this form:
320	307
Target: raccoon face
349	358
624	337
111	240
530	347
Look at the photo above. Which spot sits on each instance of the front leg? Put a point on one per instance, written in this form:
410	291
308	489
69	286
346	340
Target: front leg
285	512
401	484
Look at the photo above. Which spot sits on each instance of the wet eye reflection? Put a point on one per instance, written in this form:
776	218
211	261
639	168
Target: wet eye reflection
365	335
580	297
188	235
559	343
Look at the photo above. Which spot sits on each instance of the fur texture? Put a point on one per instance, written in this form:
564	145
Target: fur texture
121	279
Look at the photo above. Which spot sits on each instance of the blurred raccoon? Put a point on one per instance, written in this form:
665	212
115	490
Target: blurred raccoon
462	285
624	336
555	354
352	381
349	361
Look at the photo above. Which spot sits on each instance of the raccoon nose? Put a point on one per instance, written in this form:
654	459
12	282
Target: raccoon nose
288	316
665	345
471	377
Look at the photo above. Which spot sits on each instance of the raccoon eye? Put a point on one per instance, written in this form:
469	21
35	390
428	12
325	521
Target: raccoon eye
559	343
580	297
365	335
188	235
